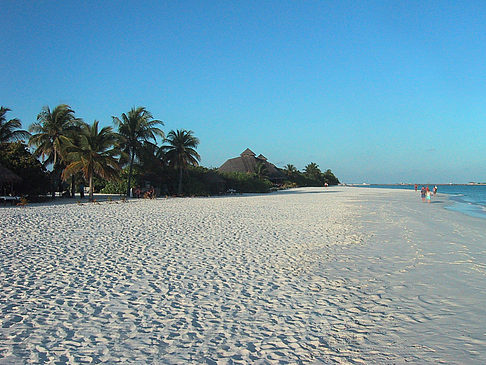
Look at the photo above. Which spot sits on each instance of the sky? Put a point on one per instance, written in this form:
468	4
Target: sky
376	91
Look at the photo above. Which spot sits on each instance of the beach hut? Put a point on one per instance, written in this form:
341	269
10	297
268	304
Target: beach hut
7	181
248	162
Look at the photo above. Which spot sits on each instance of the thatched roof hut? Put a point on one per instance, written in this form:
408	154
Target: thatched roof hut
7	180
247	162
8	177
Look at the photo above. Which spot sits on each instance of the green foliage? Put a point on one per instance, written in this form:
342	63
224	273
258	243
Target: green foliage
290	170
16	157
119	185
201	181
9	130
134	129
92	154
52	132
289	185
180	151
312	176
330	178
246	183
71	145
116	187
313	171
261	171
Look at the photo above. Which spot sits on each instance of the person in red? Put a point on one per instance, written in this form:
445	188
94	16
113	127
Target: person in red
416	187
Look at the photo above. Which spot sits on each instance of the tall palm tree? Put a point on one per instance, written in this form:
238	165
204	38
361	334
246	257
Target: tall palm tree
94	154
135	128
290	169
8	130
181	151
52	132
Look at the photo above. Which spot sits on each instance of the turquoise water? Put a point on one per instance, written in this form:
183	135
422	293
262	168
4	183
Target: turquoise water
467	199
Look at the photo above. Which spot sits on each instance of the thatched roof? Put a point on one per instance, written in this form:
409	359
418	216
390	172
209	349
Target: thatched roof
7	176
247	152
247	162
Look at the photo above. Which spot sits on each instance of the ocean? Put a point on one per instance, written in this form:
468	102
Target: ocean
467	199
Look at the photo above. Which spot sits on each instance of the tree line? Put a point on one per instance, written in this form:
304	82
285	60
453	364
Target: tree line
115	160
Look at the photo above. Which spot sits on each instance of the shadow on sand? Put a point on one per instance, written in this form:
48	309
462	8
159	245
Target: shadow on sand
99	198
306	192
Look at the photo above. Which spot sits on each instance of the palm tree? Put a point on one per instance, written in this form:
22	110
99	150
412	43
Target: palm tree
94	154
53	131
181	151
312	170
290	169
135	128
7	128
261	170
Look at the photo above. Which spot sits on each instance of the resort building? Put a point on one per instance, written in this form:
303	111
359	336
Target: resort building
248	162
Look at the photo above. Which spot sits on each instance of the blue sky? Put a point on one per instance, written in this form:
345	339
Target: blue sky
379	92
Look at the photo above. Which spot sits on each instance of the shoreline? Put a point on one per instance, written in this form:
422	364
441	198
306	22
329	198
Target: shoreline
470	203
303	275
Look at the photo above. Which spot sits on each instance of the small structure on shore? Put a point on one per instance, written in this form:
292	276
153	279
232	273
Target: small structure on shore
248	162
7	180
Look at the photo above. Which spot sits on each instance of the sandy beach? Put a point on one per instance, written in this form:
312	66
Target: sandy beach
342	275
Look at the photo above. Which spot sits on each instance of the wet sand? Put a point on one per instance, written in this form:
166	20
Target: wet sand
342	275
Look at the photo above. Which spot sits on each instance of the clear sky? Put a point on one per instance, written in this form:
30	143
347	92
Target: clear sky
377	91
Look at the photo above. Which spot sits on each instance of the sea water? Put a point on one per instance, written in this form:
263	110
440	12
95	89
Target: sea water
467	199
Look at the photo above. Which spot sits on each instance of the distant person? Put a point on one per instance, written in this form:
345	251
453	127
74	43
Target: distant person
416	187
435	190
326	185
427	196
422	193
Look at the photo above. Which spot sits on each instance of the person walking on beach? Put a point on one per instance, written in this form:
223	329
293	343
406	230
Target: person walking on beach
435	190
427	196
416	187
422	193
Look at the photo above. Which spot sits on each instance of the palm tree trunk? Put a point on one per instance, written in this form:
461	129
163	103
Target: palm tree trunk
130	174
54	182
180	181
73	187
91	187
53	185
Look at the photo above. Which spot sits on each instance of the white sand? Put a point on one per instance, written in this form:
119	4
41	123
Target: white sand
348	275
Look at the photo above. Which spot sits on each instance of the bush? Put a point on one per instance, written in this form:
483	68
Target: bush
119	186
246	183
116	187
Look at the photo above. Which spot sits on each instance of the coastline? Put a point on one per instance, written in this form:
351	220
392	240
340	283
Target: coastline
468	199
337	275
